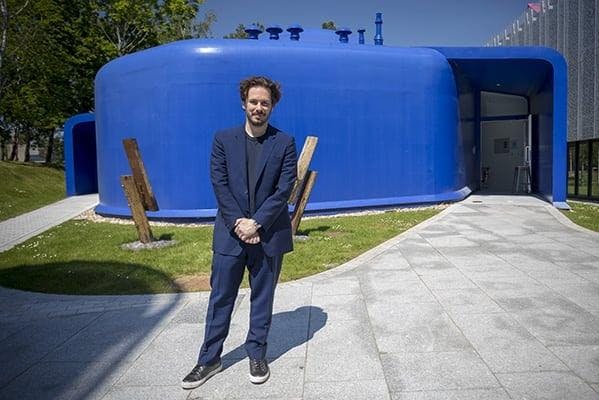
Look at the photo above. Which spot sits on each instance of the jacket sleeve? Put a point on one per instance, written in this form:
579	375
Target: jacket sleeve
219	176
274	204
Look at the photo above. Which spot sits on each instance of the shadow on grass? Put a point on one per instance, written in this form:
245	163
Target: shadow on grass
306	232
166	236
289	329
88	278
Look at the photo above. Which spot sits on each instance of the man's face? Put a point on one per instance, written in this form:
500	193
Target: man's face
258	106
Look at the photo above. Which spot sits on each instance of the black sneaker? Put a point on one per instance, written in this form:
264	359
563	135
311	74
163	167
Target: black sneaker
200	374
259	372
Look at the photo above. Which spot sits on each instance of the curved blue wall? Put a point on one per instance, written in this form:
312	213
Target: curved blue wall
387	120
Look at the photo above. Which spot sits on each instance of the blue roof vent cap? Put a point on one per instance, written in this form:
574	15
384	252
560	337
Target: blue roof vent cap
361	35
295	30
274	31
253	31
343	34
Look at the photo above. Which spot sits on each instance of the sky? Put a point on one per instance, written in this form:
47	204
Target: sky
405	23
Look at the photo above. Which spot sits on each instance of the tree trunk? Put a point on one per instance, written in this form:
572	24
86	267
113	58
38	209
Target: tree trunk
27	156
50	147
14	153
3	149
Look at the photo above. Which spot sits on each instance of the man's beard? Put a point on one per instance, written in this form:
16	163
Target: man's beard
263	122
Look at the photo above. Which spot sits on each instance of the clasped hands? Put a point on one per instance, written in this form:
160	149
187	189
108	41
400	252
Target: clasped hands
247	230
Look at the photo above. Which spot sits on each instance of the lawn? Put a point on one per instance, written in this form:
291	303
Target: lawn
584	214
26	187
84	257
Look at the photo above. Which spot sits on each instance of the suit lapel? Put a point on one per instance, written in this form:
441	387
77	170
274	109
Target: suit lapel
240	155
267	148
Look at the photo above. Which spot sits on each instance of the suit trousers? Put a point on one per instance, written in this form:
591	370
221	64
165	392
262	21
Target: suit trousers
227	273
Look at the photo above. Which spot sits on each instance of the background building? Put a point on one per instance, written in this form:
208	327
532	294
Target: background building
571	27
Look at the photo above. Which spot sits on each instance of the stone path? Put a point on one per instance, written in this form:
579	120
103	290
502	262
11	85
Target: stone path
496	298
18	229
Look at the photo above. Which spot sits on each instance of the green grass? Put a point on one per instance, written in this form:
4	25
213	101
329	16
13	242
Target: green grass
82	257
583	214
26	187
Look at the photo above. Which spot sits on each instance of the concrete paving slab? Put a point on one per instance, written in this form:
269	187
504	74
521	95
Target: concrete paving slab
505	345
355	390
585	295
115	336
466	301
340	308
168	359
343	351
546	386
436	371
64	380
21	352
401	291
400	327
583	360
469	394
146	393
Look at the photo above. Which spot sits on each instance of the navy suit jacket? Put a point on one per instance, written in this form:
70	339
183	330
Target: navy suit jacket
277	170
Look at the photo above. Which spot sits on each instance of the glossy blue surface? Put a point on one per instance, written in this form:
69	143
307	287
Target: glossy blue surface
395	125
80	155
540	74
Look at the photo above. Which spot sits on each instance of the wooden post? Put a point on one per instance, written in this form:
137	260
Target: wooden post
140	177
300	206
137	209
302	167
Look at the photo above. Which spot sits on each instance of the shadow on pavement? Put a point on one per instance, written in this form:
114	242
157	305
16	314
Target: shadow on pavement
64	346
289	329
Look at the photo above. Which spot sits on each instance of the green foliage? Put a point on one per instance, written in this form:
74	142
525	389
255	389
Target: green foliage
239	32
330	25
54	49
85	257
26	187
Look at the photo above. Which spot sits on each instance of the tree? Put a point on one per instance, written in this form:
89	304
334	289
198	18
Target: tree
178	20
131	25
55	47
239	32
330	25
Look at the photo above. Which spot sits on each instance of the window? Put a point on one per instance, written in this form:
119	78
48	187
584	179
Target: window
583	169
594	168
572	169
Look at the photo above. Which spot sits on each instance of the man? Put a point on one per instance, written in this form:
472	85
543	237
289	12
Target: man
252	168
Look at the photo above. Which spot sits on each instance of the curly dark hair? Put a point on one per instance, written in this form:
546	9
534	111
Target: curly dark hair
252	81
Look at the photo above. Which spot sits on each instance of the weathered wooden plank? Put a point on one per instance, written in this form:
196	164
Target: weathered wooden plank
300	206
137	210
139	174
303	165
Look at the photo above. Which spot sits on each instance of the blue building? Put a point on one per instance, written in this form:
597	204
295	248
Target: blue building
395	125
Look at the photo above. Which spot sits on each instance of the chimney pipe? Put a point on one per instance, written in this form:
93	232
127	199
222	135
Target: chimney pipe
361	35
378	38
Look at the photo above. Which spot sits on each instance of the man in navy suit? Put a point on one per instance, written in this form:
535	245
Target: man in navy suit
252	168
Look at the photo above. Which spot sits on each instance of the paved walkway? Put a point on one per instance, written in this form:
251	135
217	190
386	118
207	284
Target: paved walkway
496	298
18	229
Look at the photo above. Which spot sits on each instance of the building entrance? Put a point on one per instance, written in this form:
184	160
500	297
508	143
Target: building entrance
505	151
